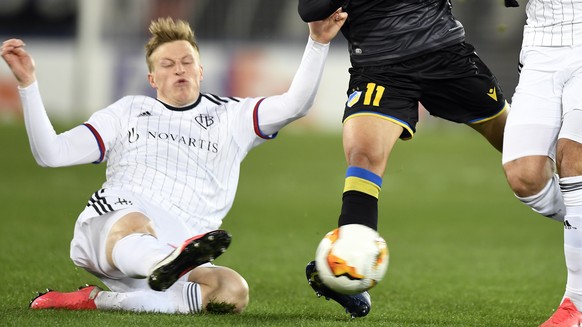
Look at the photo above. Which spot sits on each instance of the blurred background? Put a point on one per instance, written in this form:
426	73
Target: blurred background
90	53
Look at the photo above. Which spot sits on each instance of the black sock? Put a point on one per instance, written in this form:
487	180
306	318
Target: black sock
359	208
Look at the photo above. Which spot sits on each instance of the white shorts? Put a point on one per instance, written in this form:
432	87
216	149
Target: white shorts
93	225
550	86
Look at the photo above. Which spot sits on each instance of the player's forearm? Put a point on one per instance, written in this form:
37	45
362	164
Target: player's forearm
49	149
278	111
304	86
38	126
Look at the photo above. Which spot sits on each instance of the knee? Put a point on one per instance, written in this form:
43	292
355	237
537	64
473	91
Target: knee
525	181
369	158
233	289
239	290
223	289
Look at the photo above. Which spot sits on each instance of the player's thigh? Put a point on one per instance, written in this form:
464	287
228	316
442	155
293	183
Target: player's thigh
536	112
572	98
379	92
572	92
90	238
569	146
468	99
92	235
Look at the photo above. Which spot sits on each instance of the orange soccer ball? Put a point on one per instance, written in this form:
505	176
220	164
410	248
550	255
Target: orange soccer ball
352	259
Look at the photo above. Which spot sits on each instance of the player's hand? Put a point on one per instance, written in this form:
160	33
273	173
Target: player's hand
324	31
19	61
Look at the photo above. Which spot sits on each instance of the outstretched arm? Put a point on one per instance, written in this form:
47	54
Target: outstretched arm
277	111
49	149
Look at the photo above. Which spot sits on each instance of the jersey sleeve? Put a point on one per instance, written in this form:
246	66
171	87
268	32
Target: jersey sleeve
314	10
76	146
275	112
511	3
105	125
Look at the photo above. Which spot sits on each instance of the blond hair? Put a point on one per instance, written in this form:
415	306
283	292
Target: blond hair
166	30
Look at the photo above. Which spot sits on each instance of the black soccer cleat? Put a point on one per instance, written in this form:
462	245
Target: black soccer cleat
357	305
195	251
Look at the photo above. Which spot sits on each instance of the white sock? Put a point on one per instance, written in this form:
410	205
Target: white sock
191	298
136	254
548	202
139	301
182	297
572	192
574	281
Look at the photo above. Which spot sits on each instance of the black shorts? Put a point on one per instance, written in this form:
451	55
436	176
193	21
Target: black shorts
451	83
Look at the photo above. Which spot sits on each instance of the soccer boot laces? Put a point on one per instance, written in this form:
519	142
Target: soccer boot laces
82	299
192	253
357	305
567	315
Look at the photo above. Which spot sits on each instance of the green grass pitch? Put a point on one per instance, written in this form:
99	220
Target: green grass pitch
463	250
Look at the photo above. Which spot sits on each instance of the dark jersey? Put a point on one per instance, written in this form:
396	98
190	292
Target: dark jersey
381	32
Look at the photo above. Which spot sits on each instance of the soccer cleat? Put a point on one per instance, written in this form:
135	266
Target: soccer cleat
357	305
567	315
82	299
193	252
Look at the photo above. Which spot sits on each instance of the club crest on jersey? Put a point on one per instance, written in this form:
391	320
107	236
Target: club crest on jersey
204	120
354	98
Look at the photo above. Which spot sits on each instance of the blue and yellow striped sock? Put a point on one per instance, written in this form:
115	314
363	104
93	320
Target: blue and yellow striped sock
360	198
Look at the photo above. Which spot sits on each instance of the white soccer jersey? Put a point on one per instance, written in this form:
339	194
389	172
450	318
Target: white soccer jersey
186	161
553	23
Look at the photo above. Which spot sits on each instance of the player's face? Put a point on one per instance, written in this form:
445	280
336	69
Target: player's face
176	73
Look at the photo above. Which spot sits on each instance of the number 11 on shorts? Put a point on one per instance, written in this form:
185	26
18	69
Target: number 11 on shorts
370	89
